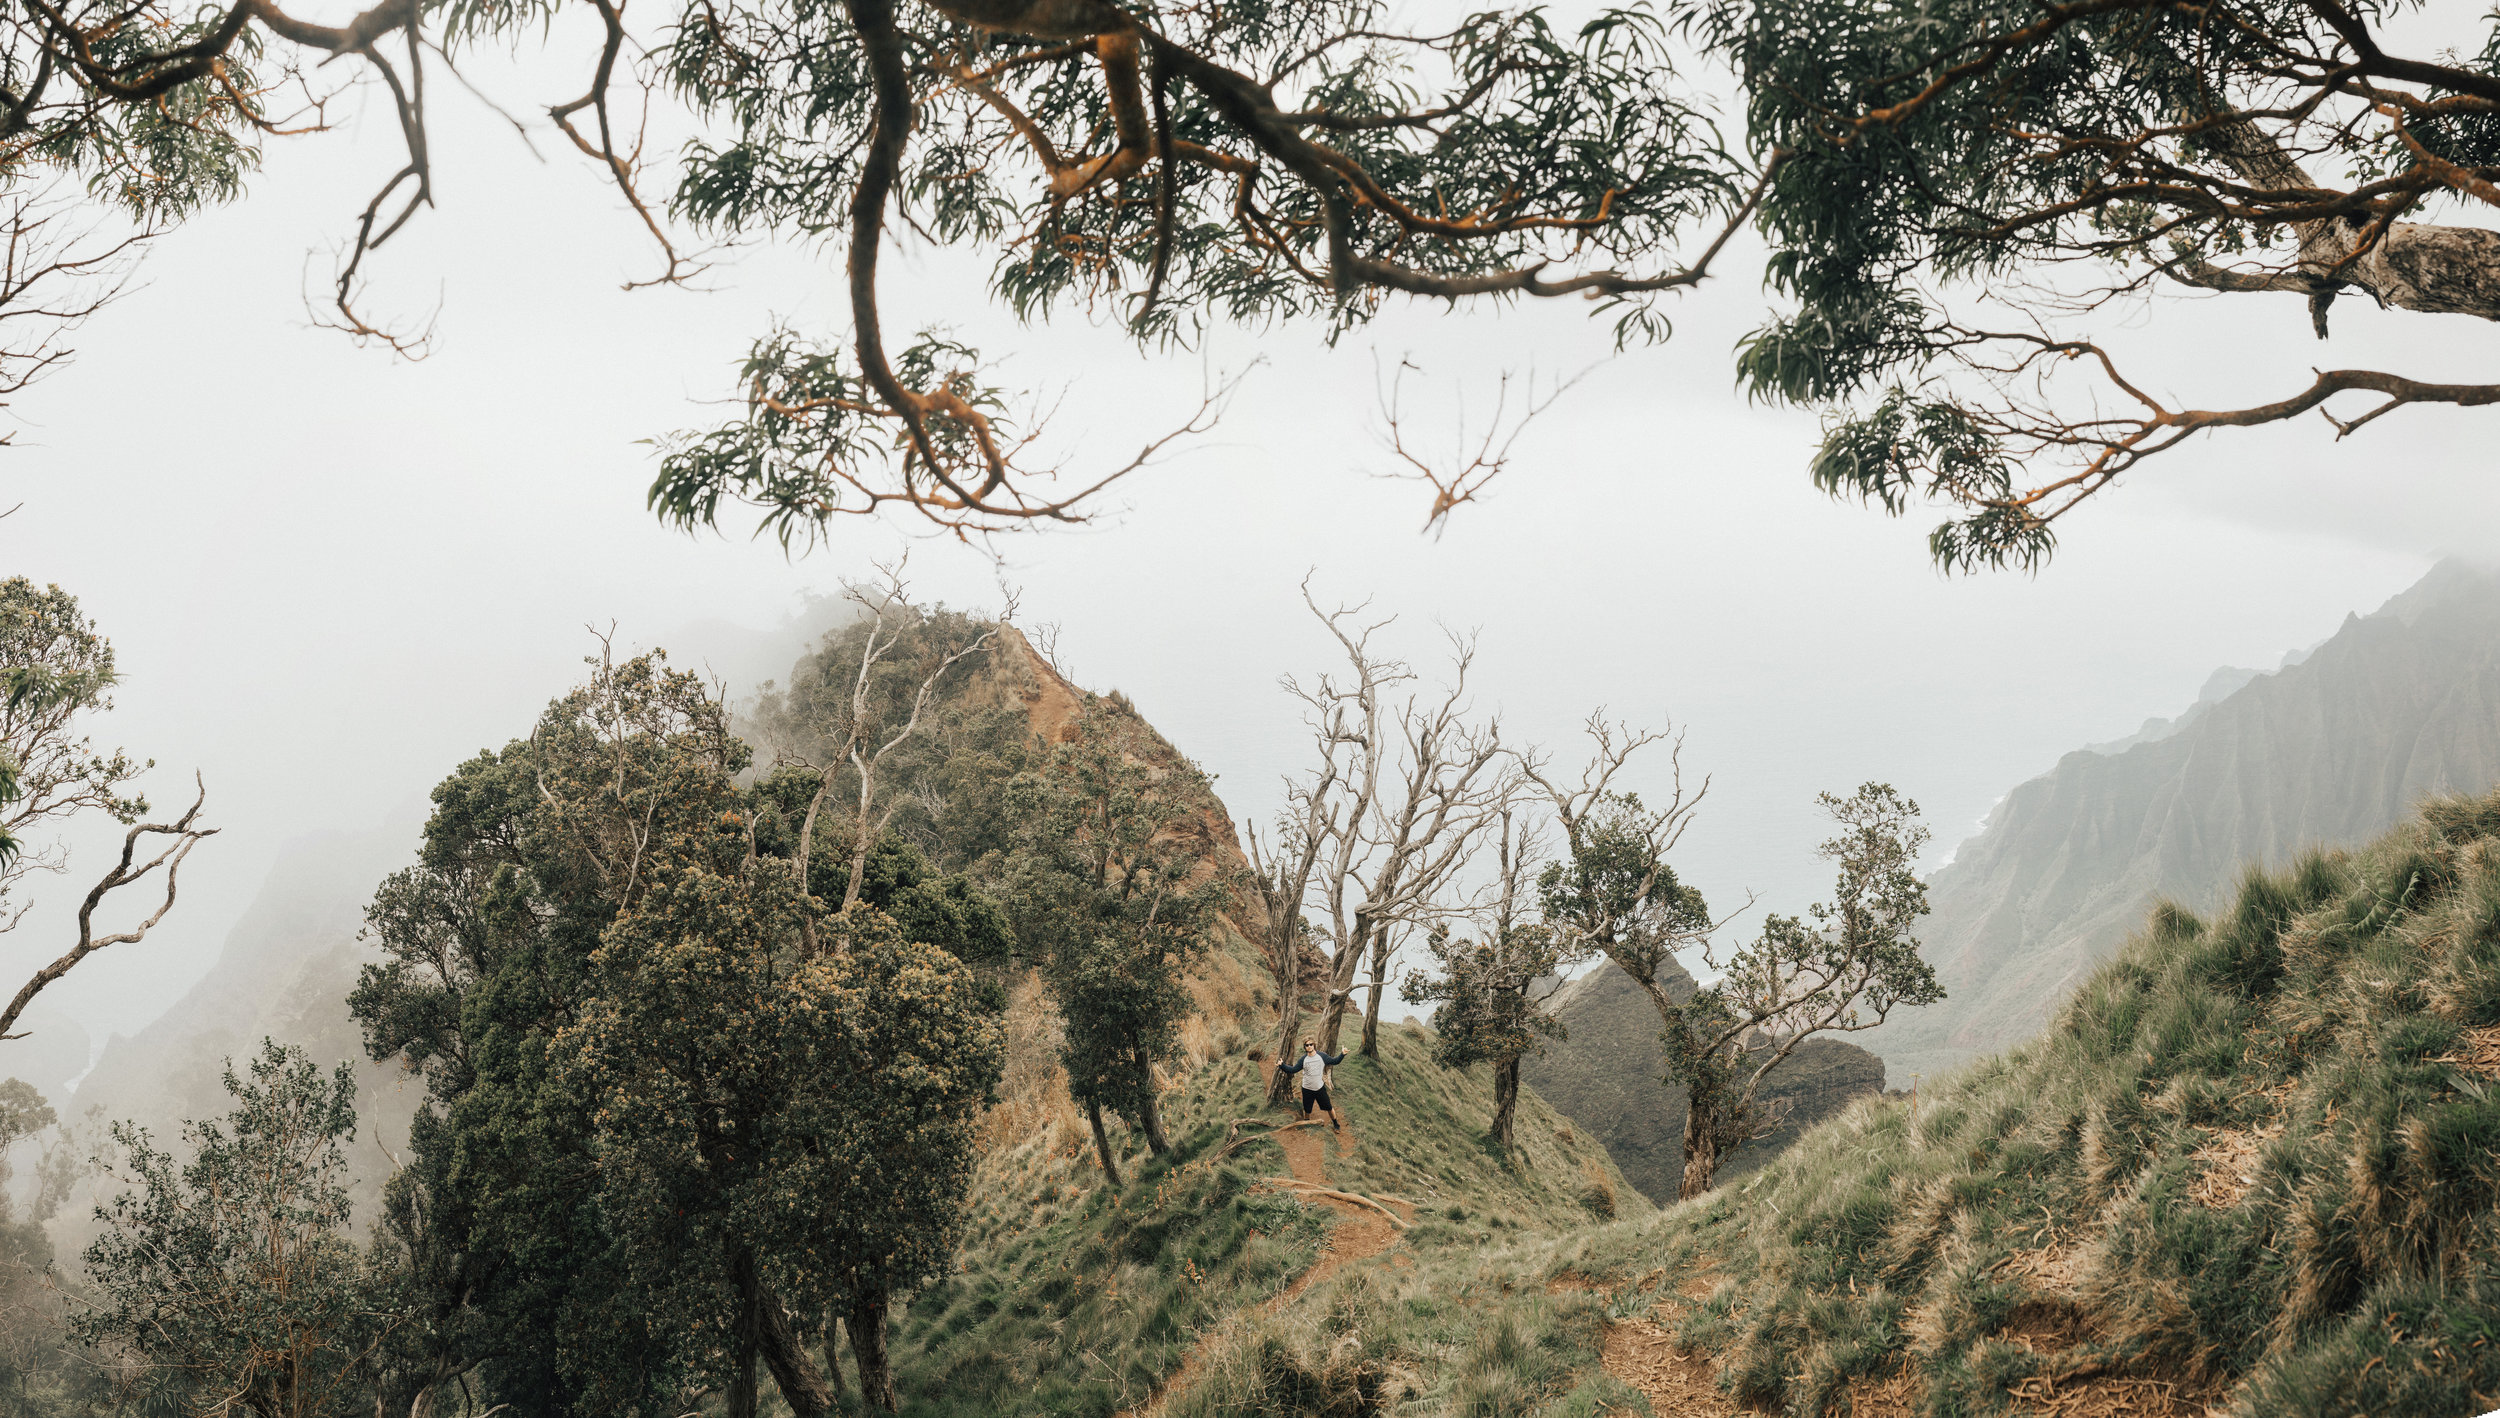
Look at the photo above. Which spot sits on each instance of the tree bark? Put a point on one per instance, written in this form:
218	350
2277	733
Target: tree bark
867	1328
1505	1100
765	1332
1341	984
1280	1085
2447	270
1288	1010
1701	1147
1371	1007
740	1400
1150	1117
1110	1172
785	1353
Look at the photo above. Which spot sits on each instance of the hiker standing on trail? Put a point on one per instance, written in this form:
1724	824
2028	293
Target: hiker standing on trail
1314	1066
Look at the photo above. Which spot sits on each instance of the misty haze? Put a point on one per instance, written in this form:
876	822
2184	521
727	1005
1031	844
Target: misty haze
1035	707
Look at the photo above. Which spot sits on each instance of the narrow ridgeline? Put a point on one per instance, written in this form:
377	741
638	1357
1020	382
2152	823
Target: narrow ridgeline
2251	1168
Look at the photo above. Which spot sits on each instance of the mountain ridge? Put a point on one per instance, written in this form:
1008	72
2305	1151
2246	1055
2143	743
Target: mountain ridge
2331	749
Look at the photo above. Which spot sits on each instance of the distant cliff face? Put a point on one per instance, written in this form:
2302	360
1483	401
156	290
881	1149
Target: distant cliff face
1607	1077
2331	751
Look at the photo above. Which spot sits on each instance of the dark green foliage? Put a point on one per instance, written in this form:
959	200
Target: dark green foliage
1489	1000
1552	143
1937	155
237	1274
1844	968
949	912
945	784
658	1118
1113	889
1485	995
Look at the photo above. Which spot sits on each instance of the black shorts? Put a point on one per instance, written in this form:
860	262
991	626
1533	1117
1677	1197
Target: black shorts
1315	1098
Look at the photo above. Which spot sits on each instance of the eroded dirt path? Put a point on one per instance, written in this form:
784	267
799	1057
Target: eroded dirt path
1358	1234
1678	1383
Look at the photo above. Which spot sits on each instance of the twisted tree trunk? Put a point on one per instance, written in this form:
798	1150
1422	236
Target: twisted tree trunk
1150	1119
785	1354
1379	982
1505	1100
876	1372
1102	1149
765	1332
1704	1129
1288	1013
1341	983
739	1402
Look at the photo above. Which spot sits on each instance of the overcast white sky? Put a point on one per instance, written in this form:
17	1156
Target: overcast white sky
330	576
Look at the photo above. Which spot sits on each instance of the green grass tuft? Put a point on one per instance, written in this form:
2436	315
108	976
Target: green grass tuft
2254	1157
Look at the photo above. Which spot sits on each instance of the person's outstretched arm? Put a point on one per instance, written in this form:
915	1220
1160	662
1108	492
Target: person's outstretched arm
1332	1060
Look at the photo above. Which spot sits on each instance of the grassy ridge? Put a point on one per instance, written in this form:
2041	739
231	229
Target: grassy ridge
2254	1163
1071	1298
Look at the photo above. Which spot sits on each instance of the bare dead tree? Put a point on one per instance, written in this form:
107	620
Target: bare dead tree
1281	874
1414	784
1480	457
1345	717
59	265
184	834
829	734
1451	786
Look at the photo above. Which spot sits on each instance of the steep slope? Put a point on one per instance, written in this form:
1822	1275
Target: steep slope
2251	1170
1606	1077
1074	1298
2329	751
1071	1296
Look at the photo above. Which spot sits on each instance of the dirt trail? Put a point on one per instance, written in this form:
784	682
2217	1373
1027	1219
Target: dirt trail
1678	1383
1359	1234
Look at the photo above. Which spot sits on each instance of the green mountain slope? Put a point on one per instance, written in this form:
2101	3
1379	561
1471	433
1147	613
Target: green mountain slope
2251	1168
1606	1077
2331	751
1071	1298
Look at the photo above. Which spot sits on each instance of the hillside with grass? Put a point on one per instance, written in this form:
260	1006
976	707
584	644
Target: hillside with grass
2332	749
2252	1168
1076	1296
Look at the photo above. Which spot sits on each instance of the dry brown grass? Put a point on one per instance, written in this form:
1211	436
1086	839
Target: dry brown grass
2229	1165
1677	1383
1197	1042
2053	1270
1894	1397
1033	1101
2109	1396
2478	1052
